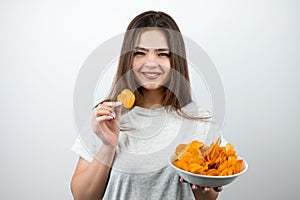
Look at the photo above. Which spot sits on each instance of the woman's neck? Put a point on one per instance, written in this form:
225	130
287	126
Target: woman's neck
152	97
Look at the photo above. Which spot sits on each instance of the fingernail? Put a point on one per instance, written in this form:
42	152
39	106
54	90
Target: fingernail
217	189
118	103
206	189
110	117
113	114
194	187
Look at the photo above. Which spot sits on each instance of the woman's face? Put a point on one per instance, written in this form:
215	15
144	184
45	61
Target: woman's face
151	63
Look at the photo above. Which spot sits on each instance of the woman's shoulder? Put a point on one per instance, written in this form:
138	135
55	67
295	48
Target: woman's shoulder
194	110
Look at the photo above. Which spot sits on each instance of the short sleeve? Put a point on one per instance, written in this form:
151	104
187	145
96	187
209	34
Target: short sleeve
79	149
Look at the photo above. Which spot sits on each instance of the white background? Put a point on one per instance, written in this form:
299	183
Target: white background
254	44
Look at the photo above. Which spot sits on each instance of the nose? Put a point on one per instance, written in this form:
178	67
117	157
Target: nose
151	60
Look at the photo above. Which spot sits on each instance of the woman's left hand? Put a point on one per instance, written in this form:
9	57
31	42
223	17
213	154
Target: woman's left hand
204	190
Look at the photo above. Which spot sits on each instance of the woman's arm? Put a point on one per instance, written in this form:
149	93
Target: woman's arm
90	179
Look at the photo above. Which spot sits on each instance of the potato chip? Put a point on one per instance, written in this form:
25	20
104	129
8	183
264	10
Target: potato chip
193	167
180	148
212	160
181	164
212	172
127	98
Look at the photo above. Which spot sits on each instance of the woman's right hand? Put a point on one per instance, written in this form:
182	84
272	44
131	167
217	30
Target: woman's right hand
106	122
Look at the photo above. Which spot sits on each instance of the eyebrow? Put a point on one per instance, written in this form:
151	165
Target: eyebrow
145	49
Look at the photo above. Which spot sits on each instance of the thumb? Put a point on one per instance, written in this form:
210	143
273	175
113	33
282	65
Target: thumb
117	109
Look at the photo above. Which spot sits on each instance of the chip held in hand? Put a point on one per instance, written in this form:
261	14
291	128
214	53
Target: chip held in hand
127	98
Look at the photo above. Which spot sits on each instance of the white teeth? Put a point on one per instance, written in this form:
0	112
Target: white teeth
151	75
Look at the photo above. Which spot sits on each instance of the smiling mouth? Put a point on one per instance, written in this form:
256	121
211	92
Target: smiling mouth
151	75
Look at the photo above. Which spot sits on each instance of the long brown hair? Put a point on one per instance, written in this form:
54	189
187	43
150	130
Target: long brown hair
177	91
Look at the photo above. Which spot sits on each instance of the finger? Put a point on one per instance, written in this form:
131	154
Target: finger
112	103
205	189
117	111
99	104
113	107
103	118
195	187
218	189
105	110
102	112
182	180
104	107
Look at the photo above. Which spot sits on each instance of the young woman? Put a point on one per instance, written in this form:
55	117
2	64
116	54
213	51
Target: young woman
135	143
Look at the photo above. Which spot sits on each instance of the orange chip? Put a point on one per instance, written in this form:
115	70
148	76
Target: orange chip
186	156
180	148
238	166
127	98
223	166
194	167
181	164
230	171
198	160
232	159
212	172
224	172
196	145
212	160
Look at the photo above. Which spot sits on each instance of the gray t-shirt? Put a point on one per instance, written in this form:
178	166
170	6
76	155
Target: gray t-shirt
141	168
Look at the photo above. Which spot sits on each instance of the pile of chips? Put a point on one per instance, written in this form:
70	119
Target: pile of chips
212	160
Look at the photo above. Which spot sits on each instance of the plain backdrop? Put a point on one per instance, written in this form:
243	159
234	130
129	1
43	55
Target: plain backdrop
255	46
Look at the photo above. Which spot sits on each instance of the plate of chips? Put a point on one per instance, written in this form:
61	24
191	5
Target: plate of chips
204	165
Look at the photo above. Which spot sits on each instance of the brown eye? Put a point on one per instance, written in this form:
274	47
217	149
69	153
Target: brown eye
164	54
138	53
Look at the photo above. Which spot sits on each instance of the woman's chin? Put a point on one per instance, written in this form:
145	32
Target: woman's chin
152	86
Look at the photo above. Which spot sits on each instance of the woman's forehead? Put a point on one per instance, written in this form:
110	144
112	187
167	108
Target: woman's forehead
152	39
